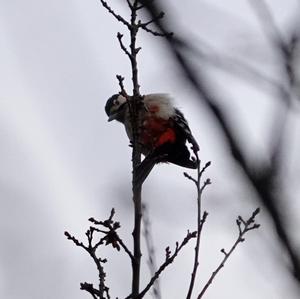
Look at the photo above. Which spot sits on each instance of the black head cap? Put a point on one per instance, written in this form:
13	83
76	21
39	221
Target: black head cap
110	103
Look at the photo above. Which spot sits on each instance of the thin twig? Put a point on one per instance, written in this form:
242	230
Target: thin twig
111	11
169	259
90	289
244	227
75	241
129	4
125	248
107	293
92	252
110	238
159	16
156	33
200	219
121	84
123	47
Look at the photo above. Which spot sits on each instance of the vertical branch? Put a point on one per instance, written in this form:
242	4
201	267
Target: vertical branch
136	154
133	27
134	51
200	219
134	104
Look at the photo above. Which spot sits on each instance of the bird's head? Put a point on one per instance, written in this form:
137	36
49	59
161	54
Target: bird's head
115	107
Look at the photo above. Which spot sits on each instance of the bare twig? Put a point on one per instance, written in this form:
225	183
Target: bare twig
110	238
169	259
244	226
129	4
123	47
92	252
75	241
155	19
90	289
121	84
111	11
200	219
159	16
156	33
107	293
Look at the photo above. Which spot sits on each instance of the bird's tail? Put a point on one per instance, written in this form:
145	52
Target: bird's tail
144	169
188	163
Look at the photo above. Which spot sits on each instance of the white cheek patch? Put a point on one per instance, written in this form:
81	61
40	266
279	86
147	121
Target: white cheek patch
121	100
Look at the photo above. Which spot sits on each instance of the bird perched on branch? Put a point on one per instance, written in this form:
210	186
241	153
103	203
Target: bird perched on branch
163	131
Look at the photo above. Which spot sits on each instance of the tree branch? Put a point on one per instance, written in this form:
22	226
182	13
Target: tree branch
169	259
123	47
121	84
110	238
200	219
244	227
111	11
90	289
136	153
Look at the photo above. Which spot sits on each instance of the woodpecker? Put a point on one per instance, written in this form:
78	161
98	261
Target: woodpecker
163	133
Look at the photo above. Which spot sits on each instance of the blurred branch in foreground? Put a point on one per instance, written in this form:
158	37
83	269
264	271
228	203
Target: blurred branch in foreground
264	174
147	232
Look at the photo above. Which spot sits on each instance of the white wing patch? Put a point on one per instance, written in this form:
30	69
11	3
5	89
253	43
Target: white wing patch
160	104
183	124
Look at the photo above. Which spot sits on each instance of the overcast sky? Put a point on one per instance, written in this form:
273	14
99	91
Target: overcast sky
61	162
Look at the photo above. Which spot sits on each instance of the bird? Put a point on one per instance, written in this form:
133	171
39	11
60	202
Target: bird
163	133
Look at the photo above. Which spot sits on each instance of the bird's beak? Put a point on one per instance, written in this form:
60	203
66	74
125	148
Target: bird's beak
112	117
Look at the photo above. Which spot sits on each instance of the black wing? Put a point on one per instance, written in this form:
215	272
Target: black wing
183	125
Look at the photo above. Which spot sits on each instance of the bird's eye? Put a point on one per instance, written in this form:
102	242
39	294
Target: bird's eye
116	102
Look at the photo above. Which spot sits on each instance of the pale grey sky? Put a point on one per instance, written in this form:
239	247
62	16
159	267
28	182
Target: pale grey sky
62	162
